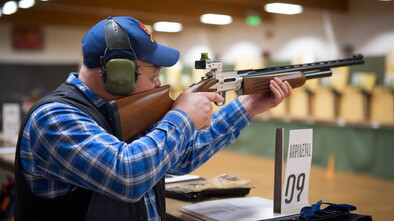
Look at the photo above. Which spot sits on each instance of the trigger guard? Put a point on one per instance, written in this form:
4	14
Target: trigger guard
223	94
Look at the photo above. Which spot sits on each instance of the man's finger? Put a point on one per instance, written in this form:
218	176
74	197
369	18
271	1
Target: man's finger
289	88
278	92
282	85
213	97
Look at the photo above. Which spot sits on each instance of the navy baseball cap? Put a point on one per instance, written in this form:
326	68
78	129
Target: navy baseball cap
141	40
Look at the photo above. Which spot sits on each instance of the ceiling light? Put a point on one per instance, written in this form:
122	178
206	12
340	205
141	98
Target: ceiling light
10	7
26	3
165	26
216	19
283	8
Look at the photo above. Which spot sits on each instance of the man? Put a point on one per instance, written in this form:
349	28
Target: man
69	166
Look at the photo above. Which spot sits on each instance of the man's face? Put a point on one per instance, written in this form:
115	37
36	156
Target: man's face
149	78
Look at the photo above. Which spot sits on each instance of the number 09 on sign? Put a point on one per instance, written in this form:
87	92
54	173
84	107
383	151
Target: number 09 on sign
299	158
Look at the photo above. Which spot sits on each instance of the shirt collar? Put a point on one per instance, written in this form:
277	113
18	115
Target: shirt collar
94	98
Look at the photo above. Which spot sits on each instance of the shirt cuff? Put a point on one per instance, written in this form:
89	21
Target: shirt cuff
237	114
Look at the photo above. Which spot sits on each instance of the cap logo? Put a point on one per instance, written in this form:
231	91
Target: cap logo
147	32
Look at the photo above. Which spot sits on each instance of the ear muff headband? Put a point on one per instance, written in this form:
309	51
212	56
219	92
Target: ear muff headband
119	75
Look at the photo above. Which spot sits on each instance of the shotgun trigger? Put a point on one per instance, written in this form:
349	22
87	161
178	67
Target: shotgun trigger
223	94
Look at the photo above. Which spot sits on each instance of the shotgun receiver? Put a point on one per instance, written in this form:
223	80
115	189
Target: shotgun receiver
135	113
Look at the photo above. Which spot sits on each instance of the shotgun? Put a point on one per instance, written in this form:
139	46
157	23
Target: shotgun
135	113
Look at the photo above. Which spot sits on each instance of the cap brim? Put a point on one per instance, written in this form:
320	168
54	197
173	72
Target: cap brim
162	55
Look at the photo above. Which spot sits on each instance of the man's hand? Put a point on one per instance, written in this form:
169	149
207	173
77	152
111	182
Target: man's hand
198	106
258	103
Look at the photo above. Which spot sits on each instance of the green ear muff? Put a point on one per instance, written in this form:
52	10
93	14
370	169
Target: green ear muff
120	77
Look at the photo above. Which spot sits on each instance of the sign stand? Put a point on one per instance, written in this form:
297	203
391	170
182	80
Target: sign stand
279	138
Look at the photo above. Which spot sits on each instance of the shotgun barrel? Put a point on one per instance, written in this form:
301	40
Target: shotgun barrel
315	66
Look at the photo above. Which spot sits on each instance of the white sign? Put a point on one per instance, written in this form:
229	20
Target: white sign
11	121
298	167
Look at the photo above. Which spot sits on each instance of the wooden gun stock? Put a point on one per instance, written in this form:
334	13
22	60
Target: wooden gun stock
130	115
133	114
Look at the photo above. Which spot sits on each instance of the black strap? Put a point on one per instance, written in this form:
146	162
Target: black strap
115	36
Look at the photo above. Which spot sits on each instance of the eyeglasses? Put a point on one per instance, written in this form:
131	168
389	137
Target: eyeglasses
155	73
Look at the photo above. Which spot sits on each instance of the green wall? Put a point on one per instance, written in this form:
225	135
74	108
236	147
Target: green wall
357	149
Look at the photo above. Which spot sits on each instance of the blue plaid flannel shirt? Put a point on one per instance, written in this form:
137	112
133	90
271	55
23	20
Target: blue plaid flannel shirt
63	148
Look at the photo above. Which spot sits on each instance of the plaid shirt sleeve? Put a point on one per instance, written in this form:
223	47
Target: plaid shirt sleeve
225	128
63	143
